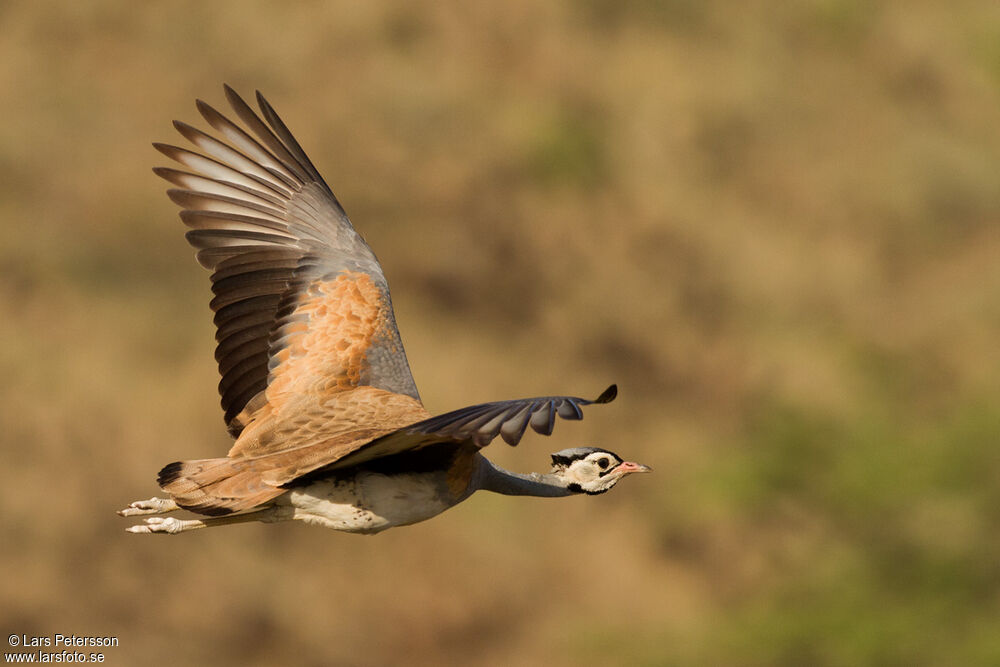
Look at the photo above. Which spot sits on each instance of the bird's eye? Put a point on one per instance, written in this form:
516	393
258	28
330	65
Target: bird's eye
603	462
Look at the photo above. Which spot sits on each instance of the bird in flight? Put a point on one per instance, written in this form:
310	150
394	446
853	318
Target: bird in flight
317	393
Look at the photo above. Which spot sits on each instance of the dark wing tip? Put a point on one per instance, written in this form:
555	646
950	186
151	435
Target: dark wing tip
543	418
169	473
232	96
607	395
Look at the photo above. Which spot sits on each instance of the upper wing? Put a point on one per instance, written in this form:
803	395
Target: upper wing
478	425
301	303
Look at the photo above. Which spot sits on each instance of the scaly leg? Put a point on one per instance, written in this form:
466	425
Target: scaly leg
170	525
151	506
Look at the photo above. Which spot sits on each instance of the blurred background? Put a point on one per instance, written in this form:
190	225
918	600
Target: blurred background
775	225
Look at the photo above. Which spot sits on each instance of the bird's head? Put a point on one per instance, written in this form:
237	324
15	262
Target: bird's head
592	470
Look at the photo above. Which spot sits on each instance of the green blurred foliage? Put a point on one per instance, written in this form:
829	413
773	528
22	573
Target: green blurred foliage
775	225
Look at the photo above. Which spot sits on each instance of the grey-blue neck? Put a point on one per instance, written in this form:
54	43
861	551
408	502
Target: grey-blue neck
490	477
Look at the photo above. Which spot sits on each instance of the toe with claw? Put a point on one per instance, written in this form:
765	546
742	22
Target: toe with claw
157	524
151	506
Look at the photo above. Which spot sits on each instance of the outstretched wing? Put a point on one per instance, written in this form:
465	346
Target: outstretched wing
301	303
478	425
481	424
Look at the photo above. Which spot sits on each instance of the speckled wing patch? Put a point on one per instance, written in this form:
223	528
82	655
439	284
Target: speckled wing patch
301	303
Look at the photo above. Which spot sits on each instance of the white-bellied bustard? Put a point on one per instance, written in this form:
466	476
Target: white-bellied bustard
316	388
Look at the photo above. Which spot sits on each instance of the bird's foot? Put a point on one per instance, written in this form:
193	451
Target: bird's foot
151	506
168	525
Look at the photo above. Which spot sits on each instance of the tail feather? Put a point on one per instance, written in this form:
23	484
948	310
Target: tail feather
216	487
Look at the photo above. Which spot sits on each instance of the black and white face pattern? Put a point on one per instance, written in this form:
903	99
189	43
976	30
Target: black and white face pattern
592	470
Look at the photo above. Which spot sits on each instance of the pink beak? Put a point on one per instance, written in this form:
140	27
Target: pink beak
630	466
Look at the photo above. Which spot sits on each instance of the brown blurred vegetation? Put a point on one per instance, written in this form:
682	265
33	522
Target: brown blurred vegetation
775	225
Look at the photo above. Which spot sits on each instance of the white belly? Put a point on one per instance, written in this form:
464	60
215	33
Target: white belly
369	502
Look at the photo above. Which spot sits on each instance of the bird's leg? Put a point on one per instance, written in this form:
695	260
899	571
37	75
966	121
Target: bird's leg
151	506
170	525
